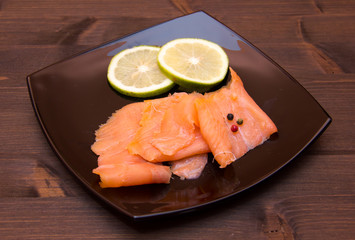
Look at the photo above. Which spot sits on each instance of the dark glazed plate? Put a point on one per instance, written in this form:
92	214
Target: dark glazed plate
72	98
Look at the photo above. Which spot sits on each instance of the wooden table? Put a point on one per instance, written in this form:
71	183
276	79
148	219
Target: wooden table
311	198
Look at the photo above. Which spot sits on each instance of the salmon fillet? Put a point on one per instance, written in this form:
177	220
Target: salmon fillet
138	173
177	127
168	130
191	167
153	113
226	145
116	166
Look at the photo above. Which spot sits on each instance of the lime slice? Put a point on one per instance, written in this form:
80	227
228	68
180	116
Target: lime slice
195	64
135	72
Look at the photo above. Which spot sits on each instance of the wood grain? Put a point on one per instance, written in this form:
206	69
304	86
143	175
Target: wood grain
313	197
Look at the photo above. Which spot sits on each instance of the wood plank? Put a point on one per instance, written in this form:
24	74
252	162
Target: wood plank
38	174
331	38
70	30
87	30
338	54
20	61
306	213
112	8
336	7
297	217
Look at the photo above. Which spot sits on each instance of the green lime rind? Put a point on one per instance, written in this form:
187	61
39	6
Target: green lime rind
190	85
145	94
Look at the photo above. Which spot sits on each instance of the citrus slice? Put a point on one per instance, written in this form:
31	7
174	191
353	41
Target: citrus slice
135	72
193	63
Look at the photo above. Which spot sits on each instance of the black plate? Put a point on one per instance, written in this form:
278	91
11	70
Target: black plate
72	98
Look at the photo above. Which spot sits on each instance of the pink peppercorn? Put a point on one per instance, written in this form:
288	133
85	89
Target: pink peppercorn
234	128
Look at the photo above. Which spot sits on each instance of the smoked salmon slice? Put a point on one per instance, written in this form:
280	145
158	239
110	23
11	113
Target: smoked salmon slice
116	166
191	167
168	129
138	173
177	127
213	108
149	124
121	127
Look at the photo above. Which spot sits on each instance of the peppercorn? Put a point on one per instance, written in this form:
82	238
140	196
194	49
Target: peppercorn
230	116
240	121
234	128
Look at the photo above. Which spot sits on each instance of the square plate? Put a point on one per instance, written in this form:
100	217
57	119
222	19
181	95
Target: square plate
72	98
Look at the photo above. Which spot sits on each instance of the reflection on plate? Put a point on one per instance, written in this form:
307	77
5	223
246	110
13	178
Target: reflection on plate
72	98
